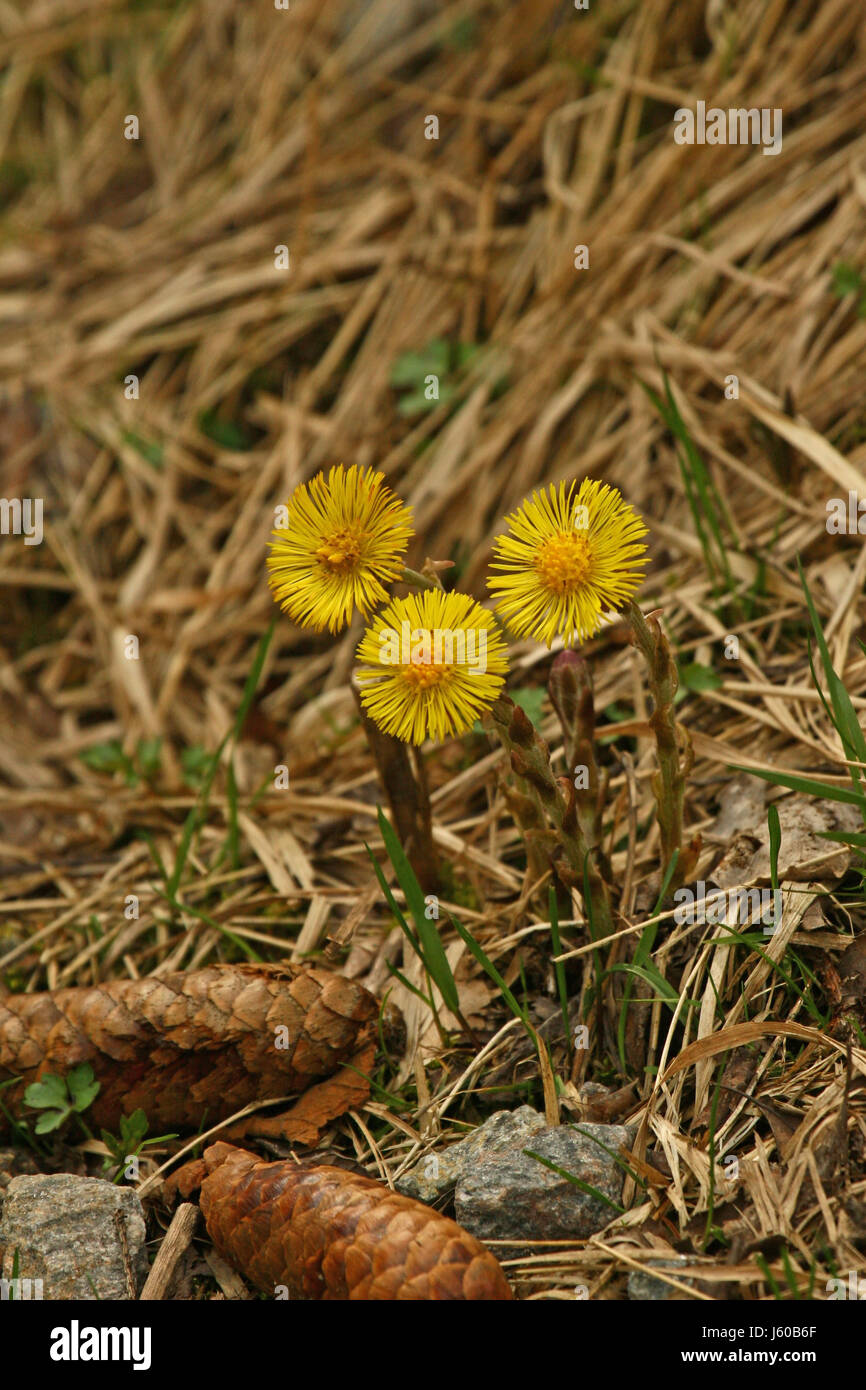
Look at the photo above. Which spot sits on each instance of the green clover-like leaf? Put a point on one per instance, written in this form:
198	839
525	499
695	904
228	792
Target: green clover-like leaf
83	1088
47	1091
133	1128
51	1119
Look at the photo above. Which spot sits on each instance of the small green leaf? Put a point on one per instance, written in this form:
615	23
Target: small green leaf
696	677
416	402
846	279
151	453
86	1096
148	755
47	1091
440	358
228	434
195	762
410	368
466	353
133	1128
530	698
463	34
83	1088
52	1119
105	757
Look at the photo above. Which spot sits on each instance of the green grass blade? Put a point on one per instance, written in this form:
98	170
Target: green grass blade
810	785
155	855
575	1181
236	941
652	976
736	938
703	496
856	839
761	1262
710	497
252	681
642	955
435	959
775	830
558	966
697	518
845	722
648	935
490	969
407	984
394	905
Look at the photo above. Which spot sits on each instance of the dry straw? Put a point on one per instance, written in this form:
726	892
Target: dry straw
156	257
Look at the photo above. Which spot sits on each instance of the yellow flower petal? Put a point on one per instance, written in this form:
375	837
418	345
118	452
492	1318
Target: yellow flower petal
566	559
345	540
433	663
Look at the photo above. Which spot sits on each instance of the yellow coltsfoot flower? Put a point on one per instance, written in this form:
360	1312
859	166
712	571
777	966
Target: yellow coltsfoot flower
566	559
432	664
343	540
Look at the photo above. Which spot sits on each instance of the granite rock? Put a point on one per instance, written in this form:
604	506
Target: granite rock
436	1174
82	1237
512	1196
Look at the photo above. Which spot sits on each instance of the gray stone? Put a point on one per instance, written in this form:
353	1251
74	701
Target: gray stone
644	1287
510	1196
436	1174
84	1238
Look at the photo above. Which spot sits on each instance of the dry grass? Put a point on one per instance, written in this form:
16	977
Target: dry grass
156	257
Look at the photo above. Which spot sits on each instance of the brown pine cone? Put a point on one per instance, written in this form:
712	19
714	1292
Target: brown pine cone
190	1048
324	1233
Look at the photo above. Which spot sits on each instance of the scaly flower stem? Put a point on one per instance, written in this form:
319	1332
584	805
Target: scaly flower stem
571	692
530	761
408	799
673	747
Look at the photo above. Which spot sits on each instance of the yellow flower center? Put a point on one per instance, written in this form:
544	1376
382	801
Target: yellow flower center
421	675
340	552
563	562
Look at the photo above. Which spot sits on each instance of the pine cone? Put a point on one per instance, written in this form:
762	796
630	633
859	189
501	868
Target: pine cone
324	1233
190	1048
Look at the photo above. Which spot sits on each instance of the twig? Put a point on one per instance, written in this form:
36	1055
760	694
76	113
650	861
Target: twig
175	1242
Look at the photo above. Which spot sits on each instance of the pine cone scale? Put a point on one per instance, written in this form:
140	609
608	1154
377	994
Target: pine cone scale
326	1233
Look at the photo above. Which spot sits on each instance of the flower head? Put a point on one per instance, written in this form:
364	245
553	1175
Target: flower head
343	541
433	662
565	559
